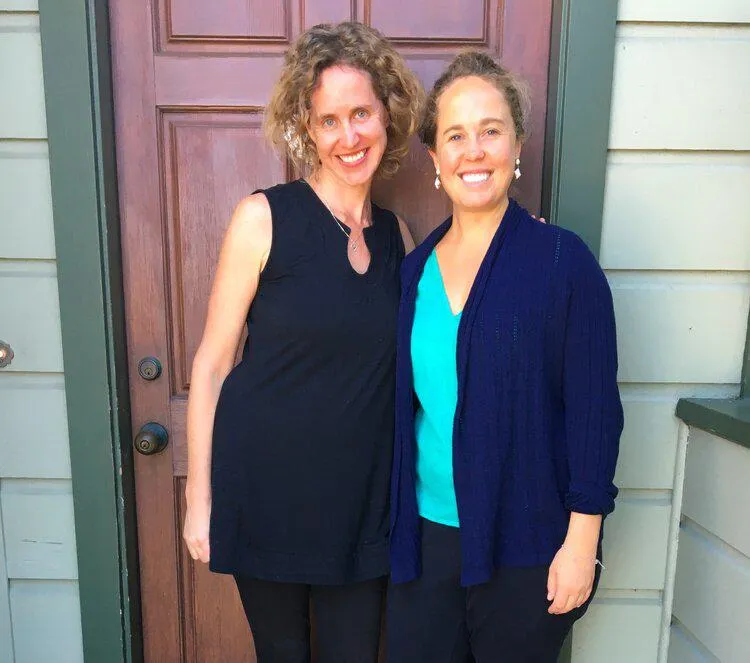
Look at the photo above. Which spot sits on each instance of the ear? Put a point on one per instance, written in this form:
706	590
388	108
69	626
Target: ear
434	158
519	147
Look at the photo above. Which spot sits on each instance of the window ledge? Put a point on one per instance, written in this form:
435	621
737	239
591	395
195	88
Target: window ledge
726	418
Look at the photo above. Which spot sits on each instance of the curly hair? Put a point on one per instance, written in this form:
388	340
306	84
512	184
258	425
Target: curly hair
361	47
482	65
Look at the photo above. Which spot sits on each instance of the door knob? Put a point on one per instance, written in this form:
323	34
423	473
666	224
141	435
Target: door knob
151	439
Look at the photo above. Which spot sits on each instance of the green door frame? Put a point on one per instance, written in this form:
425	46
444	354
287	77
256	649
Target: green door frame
78	92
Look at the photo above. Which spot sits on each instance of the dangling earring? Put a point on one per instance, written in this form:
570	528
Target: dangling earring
517	171
437	177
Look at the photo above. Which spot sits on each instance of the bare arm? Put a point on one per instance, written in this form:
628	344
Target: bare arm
243	255
405	235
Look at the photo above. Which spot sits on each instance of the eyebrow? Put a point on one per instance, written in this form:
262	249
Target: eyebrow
354	109
485	121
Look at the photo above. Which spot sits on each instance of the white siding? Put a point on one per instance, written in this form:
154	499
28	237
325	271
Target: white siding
27	200
39	606
46	621
676	249
680	88
684	11
712	593
619	629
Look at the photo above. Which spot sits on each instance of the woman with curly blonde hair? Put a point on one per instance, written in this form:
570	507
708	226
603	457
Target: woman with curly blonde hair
289	452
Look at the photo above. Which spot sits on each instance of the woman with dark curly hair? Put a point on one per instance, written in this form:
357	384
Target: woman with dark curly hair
289	452
506	342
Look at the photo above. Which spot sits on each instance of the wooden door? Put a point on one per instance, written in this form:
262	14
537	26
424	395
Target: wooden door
191	80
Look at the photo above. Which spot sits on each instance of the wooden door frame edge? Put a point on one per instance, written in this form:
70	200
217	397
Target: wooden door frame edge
79	102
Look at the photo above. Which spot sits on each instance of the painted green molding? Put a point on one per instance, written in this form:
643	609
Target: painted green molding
745	384
726	418
78	96
581	68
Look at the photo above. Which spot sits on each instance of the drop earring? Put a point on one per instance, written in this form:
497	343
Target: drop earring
517	171
437	178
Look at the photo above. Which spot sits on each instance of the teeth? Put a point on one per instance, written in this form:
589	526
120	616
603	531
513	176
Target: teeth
475	177
352	157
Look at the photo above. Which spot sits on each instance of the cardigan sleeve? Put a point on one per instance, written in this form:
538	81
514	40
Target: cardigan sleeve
593	411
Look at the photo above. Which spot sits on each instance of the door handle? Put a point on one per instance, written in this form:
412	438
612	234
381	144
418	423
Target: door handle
151	439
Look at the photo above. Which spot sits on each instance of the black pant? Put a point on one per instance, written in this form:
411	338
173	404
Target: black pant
346	619
435	620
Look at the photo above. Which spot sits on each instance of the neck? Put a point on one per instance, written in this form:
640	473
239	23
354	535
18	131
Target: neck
351	204
478	223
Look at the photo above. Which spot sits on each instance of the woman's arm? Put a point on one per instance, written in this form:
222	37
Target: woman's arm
593	423
243	255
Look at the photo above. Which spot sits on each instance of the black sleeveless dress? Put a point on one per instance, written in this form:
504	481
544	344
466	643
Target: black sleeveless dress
303	433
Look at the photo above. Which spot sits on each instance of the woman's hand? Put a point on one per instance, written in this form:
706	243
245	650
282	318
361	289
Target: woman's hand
571	574
195	532
570	580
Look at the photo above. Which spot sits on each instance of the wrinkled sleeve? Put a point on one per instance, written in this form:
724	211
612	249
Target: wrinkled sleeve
593	411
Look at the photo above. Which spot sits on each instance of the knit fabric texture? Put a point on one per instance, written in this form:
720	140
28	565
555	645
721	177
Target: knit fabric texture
538	416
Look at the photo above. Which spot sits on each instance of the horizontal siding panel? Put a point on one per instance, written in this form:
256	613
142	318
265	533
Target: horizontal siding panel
46	621
712	595
680	327
618	631
26	222
684	11
6	628
22	80
635	543
39	529
683	648
705	227
717	481
33	427
649	440
19	5
31	316
701	104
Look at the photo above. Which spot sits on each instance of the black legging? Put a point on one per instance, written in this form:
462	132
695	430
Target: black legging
346	620
435	620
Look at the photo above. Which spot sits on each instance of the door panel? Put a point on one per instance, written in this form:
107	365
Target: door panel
191	81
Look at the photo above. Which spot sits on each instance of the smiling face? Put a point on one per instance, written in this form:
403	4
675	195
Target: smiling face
475	145
348	125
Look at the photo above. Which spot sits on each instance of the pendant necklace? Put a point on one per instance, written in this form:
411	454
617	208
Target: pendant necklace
352	242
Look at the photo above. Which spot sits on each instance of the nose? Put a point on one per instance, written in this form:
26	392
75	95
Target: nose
474	150
350	136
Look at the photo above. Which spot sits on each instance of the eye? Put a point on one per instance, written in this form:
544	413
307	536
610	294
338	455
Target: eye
493	132
328	122
361	114
454	138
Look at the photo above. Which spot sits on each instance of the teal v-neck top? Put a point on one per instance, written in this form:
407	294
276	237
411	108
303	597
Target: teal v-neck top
433	356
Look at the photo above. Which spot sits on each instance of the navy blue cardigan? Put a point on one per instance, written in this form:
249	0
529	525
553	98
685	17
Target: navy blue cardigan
538	417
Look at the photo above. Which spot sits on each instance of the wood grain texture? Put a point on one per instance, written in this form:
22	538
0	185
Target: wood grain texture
189	97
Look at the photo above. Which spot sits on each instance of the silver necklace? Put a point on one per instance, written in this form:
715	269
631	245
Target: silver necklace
352	242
